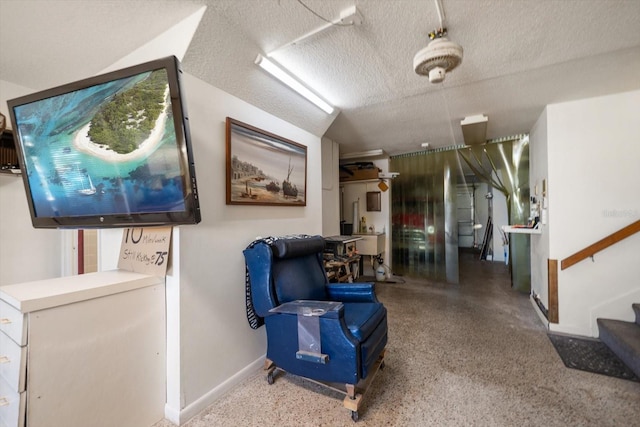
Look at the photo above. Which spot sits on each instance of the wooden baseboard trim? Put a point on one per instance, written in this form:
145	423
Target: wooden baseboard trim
552	267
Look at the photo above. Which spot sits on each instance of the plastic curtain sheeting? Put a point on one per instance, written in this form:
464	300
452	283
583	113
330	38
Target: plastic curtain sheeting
423	208
424	230
504	165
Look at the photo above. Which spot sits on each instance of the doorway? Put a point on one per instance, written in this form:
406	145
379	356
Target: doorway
473	210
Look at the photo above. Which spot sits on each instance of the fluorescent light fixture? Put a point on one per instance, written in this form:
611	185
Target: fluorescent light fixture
294	84
378	152
425	145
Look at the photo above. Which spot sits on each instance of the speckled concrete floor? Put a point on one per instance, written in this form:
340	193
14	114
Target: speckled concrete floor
468	354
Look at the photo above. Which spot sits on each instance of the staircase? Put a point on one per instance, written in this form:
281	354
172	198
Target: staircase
623	338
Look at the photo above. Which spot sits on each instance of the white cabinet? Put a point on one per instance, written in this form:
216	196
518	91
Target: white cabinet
13	360
83	350
371	244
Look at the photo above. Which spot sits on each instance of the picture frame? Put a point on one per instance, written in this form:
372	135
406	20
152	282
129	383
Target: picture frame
374	201
262	168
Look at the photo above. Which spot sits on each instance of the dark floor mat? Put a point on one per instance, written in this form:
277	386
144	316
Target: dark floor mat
590	355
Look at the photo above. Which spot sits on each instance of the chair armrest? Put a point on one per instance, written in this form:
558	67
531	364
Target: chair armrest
352	292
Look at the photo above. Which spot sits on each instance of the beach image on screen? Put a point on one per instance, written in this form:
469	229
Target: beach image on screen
106	149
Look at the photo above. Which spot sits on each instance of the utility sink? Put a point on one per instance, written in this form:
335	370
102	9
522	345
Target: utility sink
371	243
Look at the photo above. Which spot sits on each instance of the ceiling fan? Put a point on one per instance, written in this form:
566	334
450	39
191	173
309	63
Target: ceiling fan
440	56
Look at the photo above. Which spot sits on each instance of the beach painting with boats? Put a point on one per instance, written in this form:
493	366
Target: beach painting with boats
263	168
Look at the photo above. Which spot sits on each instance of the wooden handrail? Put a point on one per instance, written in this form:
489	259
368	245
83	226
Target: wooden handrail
600	245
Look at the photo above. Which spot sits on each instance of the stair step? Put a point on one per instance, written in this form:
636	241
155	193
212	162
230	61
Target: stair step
623	338
636	309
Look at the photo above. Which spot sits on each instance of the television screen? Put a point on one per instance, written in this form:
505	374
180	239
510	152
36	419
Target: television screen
110	151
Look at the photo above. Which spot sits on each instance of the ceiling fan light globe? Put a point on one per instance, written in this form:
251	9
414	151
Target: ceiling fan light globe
437	75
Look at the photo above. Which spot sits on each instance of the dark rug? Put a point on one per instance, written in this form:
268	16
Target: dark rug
590	355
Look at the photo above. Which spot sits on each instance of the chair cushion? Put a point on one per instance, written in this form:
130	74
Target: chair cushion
302	277
363	318
291	248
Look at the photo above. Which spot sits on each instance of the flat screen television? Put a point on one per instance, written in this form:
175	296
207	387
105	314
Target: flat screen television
109	151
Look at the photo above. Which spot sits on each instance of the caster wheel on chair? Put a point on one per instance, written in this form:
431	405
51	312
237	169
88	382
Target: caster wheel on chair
354	416
270	378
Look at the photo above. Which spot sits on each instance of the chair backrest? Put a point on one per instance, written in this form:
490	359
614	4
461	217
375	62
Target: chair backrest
298	270
286	270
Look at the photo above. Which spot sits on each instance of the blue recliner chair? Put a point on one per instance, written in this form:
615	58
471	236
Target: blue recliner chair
327	332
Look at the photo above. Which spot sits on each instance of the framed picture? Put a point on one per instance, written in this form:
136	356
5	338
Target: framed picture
263	168
373	201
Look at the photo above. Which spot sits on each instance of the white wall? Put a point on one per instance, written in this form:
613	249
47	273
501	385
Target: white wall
26	254
538	172
330	188
593	178
381	221
355	190
217	346
500	217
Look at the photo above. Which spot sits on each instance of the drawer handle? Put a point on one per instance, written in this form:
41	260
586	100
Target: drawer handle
4	359
5	321
4	401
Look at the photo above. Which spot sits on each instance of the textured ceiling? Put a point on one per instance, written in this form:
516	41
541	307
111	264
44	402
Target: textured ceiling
518	57
45	43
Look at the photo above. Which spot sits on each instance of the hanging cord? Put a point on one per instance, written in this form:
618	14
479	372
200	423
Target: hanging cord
446	107
337	23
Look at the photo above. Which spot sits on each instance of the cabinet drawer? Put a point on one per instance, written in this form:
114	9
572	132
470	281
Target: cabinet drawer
12	406
13	363
12	323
